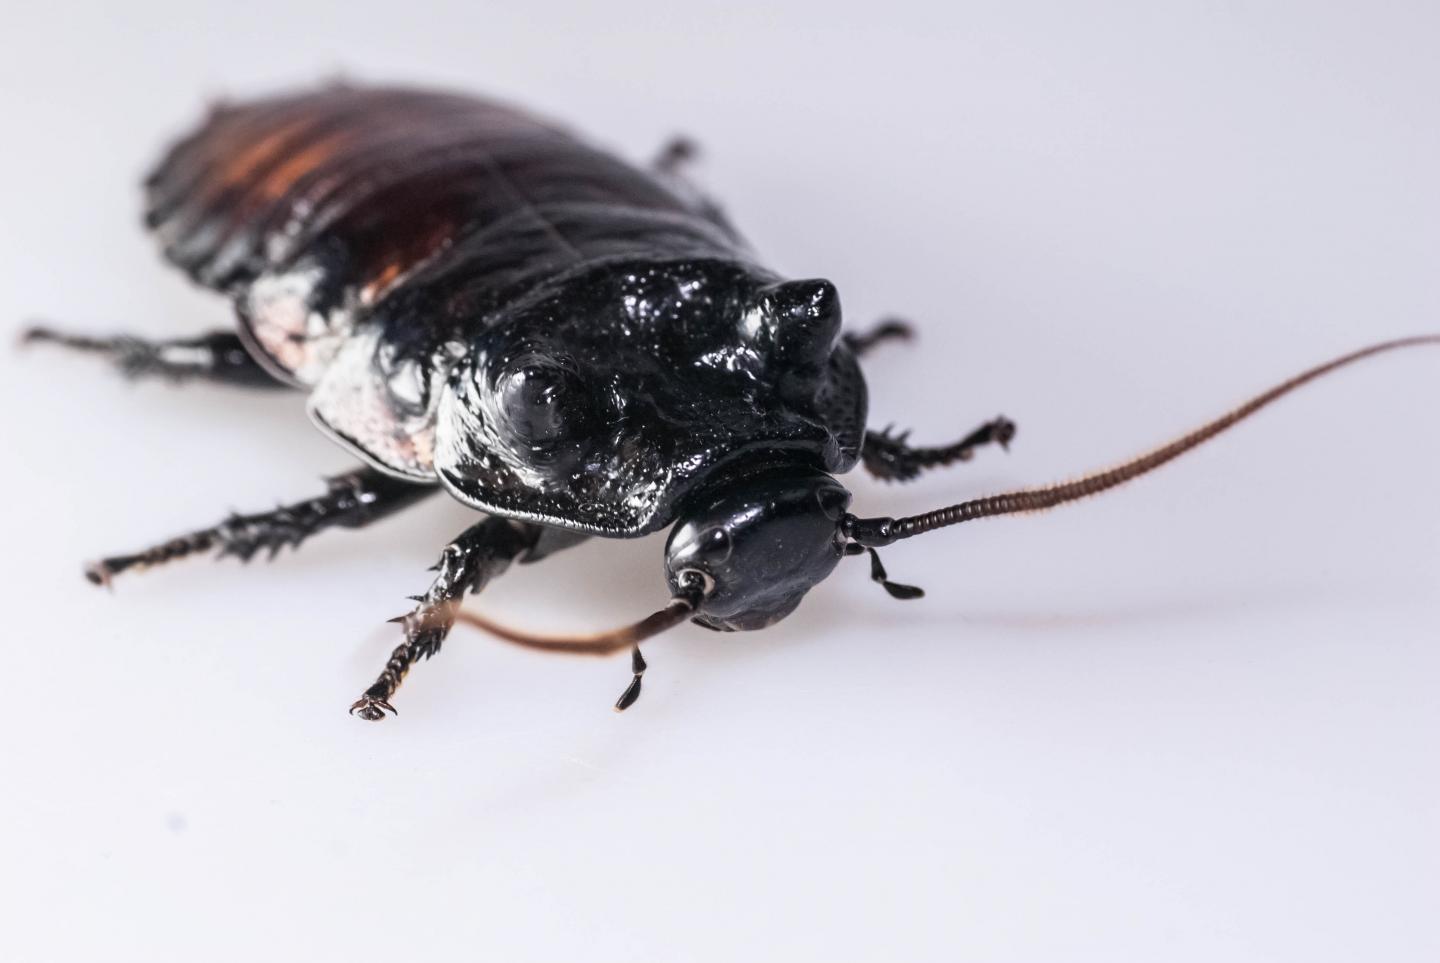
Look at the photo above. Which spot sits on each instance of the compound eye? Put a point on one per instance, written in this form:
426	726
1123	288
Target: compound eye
542	403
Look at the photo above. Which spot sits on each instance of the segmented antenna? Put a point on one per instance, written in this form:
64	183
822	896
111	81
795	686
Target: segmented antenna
873	532
680	608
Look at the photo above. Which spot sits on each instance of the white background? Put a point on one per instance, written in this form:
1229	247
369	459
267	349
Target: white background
1193	720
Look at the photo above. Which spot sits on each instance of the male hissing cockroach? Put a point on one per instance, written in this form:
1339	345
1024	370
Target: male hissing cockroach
478	302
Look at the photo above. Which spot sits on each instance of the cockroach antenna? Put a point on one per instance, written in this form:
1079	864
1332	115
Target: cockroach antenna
871	533
680	608
677	610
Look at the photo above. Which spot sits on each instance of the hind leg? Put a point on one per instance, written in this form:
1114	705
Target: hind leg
218	357
353	500
675	154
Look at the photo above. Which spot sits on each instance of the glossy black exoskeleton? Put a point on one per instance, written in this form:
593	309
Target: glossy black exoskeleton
477	301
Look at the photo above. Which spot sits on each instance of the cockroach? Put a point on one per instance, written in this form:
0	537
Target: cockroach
479	302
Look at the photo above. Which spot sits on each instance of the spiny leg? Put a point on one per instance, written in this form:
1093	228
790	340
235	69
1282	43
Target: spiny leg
890	458
218	357
352	500
481	553
891	329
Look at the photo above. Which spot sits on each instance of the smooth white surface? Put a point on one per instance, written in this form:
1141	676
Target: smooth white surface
1194	720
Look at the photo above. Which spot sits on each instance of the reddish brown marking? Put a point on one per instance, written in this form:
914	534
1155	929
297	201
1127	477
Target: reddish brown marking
376	286
385	254
276	183
234	171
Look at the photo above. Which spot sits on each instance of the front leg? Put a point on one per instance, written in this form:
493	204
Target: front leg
467	565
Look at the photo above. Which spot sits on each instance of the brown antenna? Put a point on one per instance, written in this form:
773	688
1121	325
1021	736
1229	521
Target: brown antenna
681	606
874	532
678	610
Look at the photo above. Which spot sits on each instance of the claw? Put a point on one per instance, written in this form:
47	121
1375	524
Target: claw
98	573
372	710
1004	432
35	334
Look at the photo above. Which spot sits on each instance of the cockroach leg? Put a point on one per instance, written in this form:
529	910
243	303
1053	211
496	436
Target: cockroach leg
218	357
467	564
676	153
890	329
672	162
891	458
632	691
353	500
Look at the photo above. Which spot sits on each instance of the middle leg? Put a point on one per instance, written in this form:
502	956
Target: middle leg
351	500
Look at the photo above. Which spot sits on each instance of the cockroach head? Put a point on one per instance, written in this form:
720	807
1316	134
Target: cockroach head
756	542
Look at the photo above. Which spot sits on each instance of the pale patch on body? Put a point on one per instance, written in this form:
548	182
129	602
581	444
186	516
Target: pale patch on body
289	332
384	411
